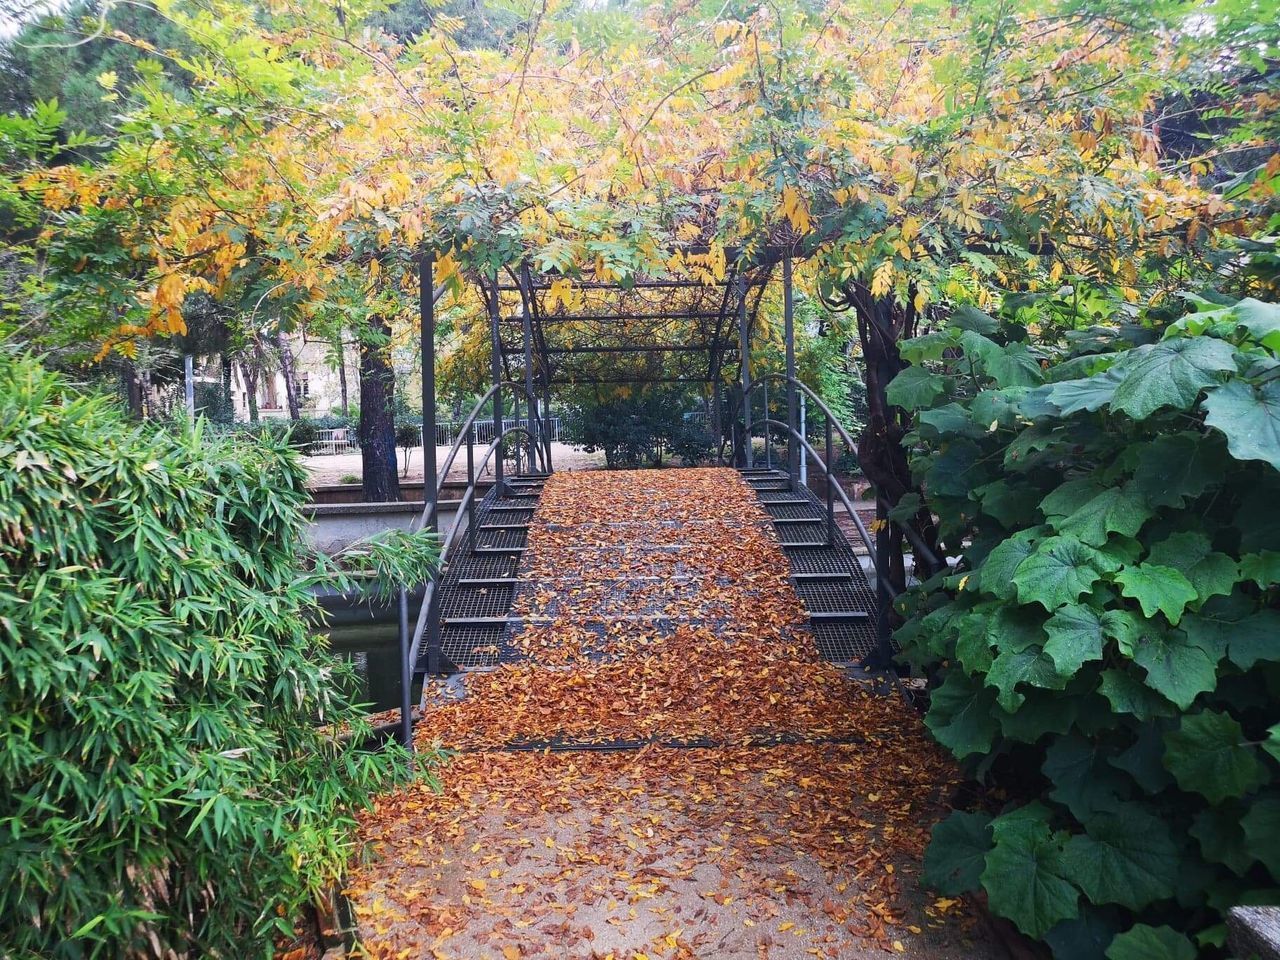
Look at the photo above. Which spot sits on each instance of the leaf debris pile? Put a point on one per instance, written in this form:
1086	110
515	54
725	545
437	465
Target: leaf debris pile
673	631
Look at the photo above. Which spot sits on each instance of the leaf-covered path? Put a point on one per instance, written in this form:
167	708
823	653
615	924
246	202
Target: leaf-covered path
657	611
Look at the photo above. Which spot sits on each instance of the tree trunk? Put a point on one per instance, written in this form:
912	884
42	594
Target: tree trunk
380	481
228	403
250	377
290	379
133	391
342	375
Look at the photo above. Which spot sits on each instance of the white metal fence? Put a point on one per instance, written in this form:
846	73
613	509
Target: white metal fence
447	433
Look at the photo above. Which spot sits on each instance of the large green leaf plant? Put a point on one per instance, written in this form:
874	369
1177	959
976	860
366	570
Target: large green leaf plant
1107	650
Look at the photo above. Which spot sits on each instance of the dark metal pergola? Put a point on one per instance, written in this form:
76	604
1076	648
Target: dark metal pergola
645	330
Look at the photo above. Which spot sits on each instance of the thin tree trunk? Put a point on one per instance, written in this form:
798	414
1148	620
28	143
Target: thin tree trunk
228	404
250	377
290	378
148	399
380	480
342	375
133	391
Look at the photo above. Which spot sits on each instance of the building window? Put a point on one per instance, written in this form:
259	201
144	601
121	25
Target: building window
304	384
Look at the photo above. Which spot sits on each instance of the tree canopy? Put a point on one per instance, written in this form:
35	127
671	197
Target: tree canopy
924	153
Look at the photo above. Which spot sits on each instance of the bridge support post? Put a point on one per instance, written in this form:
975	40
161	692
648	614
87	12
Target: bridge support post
793	402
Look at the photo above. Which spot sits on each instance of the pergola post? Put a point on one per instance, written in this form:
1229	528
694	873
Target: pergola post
495	368
427	337
793	401
744	354
534	422
430	477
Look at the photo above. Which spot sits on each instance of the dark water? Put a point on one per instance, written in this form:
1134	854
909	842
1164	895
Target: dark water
374	648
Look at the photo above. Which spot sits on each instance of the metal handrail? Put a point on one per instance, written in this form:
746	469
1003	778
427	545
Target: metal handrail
463	433
409	647
835	486
916	543
464	505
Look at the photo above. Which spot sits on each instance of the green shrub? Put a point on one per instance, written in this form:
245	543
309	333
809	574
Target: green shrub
1109	647
170	774
637	429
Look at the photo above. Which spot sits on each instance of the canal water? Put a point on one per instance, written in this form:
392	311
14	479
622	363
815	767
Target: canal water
374	649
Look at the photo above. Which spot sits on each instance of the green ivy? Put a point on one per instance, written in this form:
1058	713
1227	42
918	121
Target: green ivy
173	776
1107	650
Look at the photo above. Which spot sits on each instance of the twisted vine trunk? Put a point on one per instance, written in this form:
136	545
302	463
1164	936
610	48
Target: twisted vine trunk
882	325
380	480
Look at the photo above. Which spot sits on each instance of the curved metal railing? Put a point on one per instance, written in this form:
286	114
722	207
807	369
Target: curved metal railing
428	622
833	485
913	538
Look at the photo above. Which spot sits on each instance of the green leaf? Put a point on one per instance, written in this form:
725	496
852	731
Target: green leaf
1066	498
1143	942
1125	857
1222	839
1272	743
1024	877
1249	416
1262	568
1013	366
1075	636
1176	666
1262	830
955	856
960	715
968	317
973	648
1208	755
1245	641
1073	396
1127	629
1028	665
1128	695
1261	321
1081	782
1042	712
948	420
1143	759
1156	587
1174	467
999	407
1170	374
1084	938
1009	503
1210	573
1117	510
995	576
915	388
1059	571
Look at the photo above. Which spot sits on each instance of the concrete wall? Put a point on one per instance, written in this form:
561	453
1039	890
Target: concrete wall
335	526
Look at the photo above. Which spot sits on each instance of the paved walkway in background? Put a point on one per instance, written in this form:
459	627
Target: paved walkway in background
333	468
